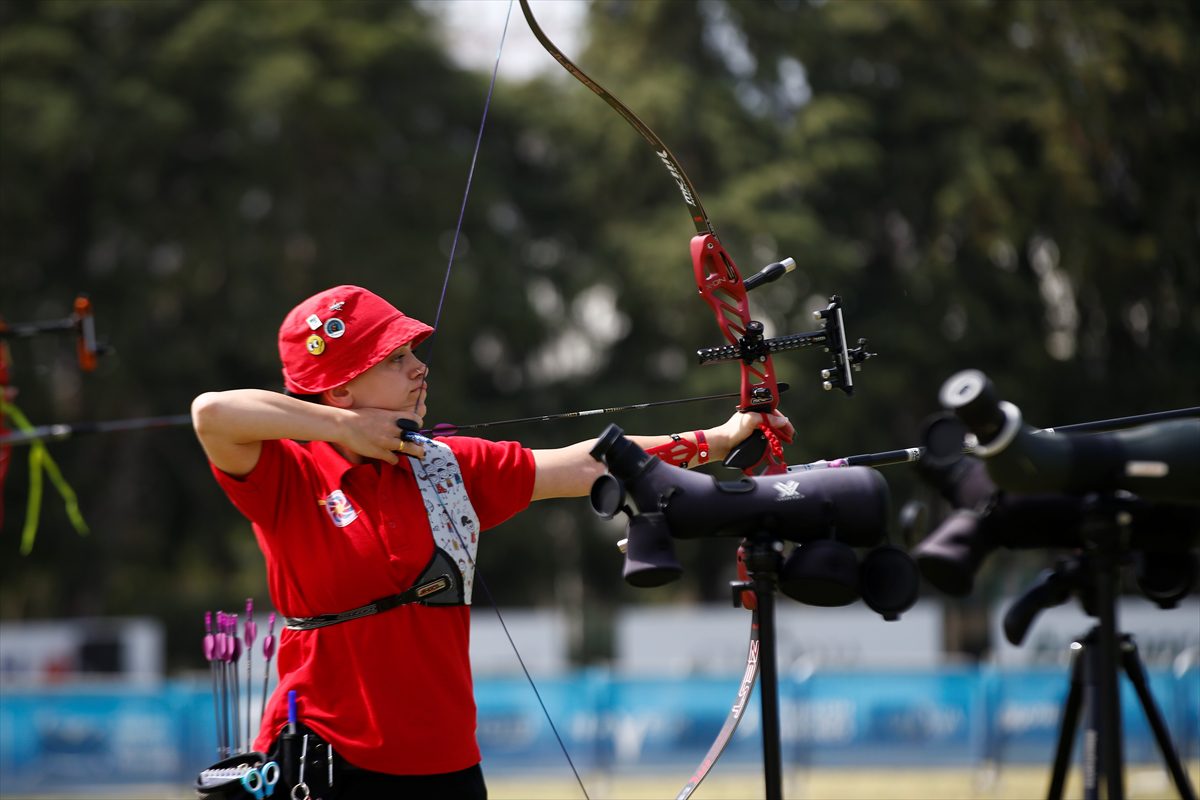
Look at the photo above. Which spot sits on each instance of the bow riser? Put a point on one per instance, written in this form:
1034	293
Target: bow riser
720	285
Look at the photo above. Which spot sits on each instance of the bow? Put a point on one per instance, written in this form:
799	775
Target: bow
721	287
81	323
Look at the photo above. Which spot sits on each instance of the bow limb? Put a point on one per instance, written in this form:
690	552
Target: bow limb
736	712
718	280
686	189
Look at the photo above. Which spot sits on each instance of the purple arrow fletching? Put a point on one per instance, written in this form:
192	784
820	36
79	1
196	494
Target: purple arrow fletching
249	633
209	643
269	639
250	628
224	648
235	644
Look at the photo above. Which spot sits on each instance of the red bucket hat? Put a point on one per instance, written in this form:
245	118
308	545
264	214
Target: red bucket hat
332	337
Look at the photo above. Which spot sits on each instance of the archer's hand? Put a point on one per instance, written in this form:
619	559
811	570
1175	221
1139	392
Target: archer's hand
741	426
373	433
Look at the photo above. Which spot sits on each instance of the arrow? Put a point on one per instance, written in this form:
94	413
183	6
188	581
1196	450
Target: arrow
55	433
449	429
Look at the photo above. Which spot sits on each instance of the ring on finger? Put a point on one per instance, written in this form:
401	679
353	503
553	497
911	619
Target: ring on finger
401	448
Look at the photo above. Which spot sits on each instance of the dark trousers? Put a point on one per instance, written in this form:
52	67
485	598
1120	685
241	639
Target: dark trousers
351	782
362	784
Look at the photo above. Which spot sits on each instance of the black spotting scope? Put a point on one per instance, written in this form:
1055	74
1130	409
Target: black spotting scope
1159	462
825	514
849	504
986	516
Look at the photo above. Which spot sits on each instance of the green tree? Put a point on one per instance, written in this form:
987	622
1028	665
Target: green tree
1007	186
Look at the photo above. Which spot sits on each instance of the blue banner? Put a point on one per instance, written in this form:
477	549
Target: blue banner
74	738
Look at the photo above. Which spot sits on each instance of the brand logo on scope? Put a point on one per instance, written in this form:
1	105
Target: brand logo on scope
788	490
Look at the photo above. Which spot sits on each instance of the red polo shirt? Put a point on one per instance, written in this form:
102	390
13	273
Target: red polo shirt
392	692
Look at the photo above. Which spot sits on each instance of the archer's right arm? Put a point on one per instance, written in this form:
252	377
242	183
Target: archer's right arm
232	426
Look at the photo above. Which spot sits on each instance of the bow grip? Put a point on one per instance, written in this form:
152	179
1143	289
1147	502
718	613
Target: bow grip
747	453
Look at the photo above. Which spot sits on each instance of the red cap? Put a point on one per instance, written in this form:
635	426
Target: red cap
334	336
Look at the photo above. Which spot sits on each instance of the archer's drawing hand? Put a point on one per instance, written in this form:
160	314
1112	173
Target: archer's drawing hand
373	433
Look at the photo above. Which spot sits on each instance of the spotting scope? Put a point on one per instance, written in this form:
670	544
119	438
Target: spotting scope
1159	462
849	504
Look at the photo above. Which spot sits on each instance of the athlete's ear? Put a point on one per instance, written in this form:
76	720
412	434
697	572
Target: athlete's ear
339	396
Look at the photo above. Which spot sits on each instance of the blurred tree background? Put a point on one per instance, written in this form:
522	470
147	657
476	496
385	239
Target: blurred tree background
1010	186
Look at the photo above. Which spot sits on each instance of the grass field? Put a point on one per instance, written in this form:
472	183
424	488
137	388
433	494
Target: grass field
1142	782
1150	782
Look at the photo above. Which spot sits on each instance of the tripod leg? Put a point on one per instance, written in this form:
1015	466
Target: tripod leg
1067	725
1137	676
1108	718
768	689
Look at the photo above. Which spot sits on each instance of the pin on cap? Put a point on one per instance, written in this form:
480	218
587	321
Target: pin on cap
314	322
337	306
315	345
335	328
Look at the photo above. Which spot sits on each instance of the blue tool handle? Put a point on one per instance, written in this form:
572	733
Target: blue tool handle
292	711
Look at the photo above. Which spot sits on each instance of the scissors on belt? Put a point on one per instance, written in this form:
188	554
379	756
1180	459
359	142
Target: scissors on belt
260	781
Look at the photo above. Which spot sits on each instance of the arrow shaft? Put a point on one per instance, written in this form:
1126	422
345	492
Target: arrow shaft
910	454
56	433
449	429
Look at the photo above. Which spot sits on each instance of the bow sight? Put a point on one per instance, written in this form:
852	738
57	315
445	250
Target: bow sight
753	347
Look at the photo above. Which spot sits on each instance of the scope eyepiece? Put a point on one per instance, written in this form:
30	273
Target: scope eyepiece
624	459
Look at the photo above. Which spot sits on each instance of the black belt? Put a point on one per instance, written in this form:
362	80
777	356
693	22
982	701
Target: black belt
415	594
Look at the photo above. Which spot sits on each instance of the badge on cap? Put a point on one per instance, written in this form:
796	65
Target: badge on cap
335	328
313	321
337	306
315	345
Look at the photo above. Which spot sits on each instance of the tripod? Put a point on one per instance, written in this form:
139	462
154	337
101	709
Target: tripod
1086	663
1093	576
763	558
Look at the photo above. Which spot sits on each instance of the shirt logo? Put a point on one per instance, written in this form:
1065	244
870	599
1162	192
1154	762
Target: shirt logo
339	508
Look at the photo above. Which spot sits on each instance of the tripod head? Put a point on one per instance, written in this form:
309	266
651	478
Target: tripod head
1164	577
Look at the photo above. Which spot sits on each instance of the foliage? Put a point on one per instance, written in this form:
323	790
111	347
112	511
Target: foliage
1008	186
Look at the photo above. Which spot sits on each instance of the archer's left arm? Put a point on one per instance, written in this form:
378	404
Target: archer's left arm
570	471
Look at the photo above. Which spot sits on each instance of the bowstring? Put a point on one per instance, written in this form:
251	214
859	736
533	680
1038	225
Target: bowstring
462	211
425	476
